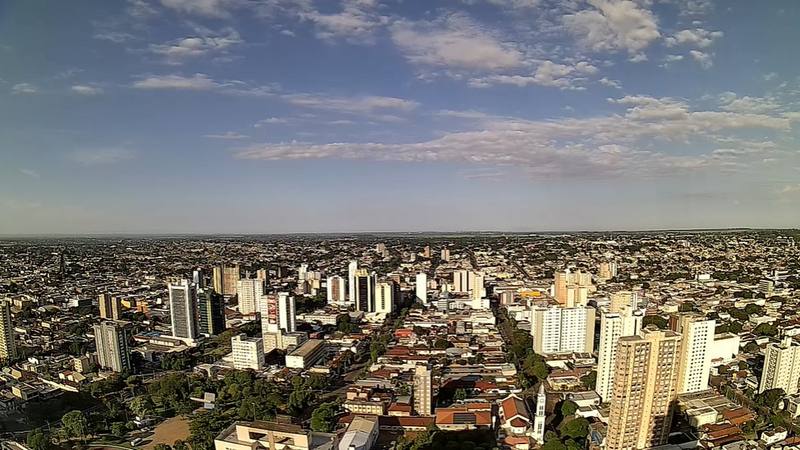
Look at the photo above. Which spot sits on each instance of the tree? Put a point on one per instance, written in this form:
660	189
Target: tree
553	444
658	321
568	408
162	447
118	429
38	440
765	329
141	405
751	347
441	344
460	394
589	381
575	428
75	425
180	445
770	398
322	419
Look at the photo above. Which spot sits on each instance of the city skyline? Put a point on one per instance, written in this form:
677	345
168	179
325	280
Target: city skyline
274	116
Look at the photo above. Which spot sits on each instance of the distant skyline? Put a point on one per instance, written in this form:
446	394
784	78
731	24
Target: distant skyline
295	116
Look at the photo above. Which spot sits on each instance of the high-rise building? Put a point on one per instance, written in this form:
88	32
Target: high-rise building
540	416
352	268
645	388
385	296
462	280
211	312
224	279
572	288
336	289
621	299
247	352
697	342
110	306
113	353
217	280
364	294
8	349
248	291
198	279
263	275
423	390
426	252
277	319
626	322
183	310
286	312
606	270
477	289
445	256
781	367
421	287
562	330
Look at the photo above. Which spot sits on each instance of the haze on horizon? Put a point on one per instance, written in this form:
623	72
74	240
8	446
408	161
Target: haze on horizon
275	116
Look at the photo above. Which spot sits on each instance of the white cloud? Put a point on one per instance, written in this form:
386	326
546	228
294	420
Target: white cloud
24	88
116	37
141	9
356	21
456	42
92	157
673	58
197	82
84	89
352	105
228	135
30	172
614	25
178	51
610	83
270	121
697	37
703	58
547	73
755	105
207	8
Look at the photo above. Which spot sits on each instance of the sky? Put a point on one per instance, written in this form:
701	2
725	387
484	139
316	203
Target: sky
275	116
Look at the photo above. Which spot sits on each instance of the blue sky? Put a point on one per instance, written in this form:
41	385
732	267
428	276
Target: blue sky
258	116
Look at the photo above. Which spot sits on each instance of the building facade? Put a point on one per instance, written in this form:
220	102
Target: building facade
113	353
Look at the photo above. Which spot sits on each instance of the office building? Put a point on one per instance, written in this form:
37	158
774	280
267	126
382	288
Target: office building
183	310
556	329
262	435
445	255
224	279
337	292
781	367
211	312
248	291
8	348
645	389
626	322
111	339
247	352
618	300
307	355
277	318
110	306
421	288
361	434
607	270
697	342
352	268
385	296
364	293
423	390
286	312
572	288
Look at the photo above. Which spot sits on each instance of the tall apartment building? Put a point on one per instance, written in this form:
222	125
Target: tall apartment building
572	288
277	318
626	322
224	279
248	291
247	352
645	388
477	289
337	289
211	312
697	337
110	306
111	339
781	367
385	294
352	268
8	349
423	390
606	270
183	310
445	254
364	294
421	287
556	329
621	299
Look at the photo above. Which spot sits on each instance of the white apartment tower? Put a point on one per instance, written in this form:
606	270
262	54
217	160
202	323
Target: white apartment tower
562	330
248	291
111	339
352	268
421	288
384	297
781	367
626	322
183	310
337	292
248	353
423	391
697	336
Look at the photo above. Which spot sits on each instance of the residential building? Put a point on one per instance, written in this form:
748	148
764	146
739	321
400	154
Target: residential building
361	434
111	339
621	299
248	291
571	289
183	310
645	388
337	289
247	352
385	296
352	268
224	279
556	329
8	349
423	390
421	287
697	337
781	367
110	306
364	293
625	322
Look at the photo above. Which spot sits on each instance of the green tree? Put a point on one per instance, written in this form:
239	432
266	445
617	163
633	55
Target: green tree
658	321
765	329
441	344
575	428
141	405
751	347
589	381
568	408
74	424
118	429
38	440
770	398
162	447
554	444
323	418
460	394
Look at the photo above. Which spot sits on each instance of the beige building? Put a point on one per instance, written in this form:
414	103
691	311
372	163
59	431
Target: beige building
8	349
423	391
110	306
622	299
307	354
272	436
626	322
247	352
644	390
224	279
781	367
572	288
557	329
248	294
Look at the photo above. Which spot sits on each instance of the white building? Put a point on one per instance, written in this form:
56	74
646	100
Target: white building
623	298
423	404
421	288
626	322
725	348
697	340
540	416
248	292
286	312
384	297
247	352
781	367
183	310
113	353
351	280
361	434
337	291
562	330
278	317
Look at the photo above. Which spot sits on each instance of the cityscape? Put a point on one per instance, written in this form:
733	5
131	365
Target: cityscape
399	225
